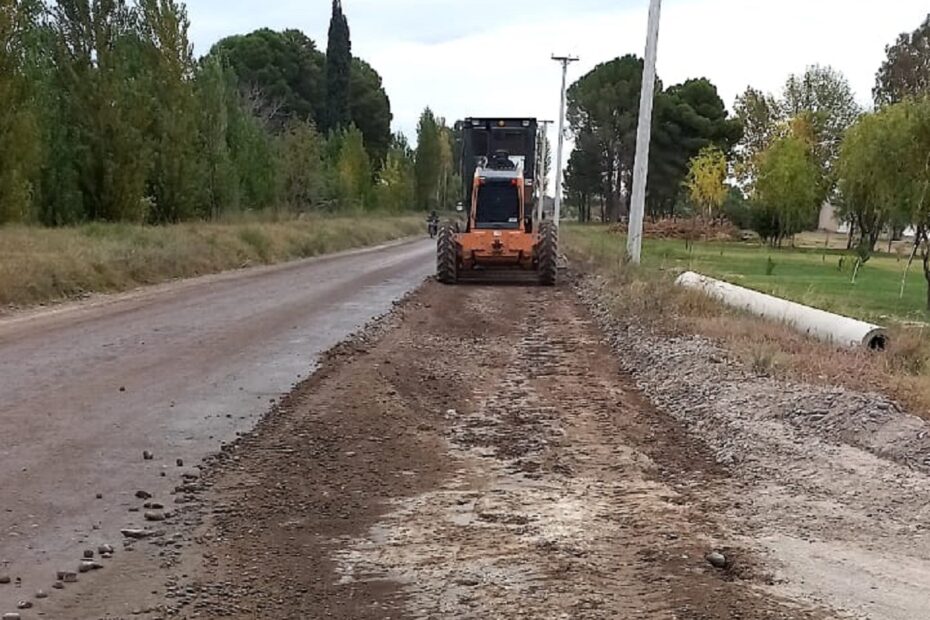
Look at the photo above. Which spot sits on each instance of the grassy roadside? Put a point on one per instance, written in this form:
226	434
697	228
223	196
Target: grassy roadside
647	294
815	276
40	265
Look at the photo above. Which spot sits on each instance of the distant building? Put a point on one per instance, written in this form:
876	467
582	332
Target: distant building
829	222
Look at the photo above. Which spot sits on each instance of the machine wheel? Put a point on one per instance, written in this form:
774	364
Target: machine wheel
547	253
447	255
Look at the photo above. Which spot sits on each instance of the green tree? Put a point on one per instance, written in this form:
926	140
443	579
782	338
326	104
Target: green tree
869	179
761	116
338	70
824	97
175	173
906	69
584	184
397	187
20	153
253	155
787	192
689	118
370	109
284	68
300	167
737	209
216	95
913	186
103	77
353	171
901	182
604	105
449	180
428	166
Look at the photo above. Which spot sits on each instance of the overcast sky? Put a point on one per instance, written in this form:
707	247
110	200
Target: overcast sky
491	57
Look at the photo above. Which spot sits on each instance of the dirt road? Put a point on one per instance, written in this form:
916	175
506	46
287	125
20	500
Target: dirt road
479	456
175	370
516	452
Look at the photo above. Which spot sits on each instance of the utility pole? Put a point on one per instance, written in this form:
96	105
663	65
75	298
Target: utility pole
643	137
565	61
541	172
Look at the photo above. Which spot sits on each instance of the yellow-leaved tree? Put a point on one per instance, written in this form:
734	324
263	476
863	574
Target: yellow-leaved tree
706	181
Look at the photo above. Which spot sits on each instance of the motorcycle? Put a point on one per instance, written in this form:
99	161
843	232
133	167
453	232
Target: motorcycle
433	226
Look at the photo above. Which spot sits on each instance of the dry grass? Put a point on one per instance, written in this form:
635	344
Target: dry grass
40	265
648	295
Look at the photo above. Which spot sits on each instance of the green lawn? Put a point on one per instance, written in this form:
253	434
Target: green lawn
809	276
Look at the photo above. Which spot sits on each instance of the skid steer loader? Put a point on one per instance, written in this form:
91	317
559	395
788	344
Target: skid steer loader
500	233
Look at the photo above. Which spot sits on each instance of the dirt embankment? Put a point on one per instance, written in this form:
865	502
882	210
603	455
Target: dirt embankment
479	455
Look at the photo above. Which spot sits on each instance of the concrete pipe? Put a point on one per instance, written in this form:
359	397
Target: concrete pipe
826	326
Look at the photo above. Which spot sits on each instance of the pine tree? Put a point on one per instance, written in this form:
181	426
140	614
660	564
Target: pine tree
338	71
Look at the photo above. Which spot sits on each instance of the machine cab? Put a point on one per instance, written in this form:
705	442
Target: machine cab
498	198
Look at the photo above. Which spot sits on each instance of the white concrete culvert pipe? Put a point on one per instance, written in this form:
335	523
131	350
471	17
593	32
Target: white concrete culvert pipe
826	326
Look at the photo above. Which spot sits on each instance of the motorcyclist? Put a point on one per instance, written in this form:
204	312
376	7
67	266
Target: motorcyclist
432	223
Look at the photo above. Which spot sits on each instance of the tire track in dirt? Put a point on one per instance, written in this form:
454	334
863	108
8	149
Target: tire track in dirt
479	455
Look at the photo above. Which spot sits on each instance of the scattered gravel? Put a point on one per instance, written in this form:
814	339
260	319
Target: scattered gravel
828	481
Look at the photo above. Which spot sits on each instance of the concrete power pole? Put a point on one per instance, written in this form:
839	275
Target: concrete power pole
565	61
643	137
541	172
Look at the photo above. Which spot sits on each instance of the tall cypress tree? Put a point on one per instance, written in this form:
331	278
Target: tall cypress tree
338	70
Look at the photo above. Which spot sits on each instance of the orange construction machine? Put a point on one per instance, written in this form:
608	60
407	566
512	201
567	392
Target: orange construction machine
500	231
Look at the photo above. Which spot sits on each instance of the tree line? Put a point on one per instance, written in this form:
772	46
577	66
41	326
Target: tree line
603	111
106	114
777	161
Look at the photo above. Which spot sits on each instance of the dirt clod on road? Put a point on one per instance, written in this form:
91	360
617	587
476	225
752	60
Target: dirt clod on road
480	454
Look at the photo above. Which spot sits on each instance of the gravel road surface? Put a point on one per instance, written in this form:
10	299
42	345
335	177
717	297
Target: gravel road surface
480	452
176	370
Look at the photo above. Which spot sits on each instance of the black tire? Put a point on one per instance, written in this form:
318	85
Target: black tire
547	253
447	256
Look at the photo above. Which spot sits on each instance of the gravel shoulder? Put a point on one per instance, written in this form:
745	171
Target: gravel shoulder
829	485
